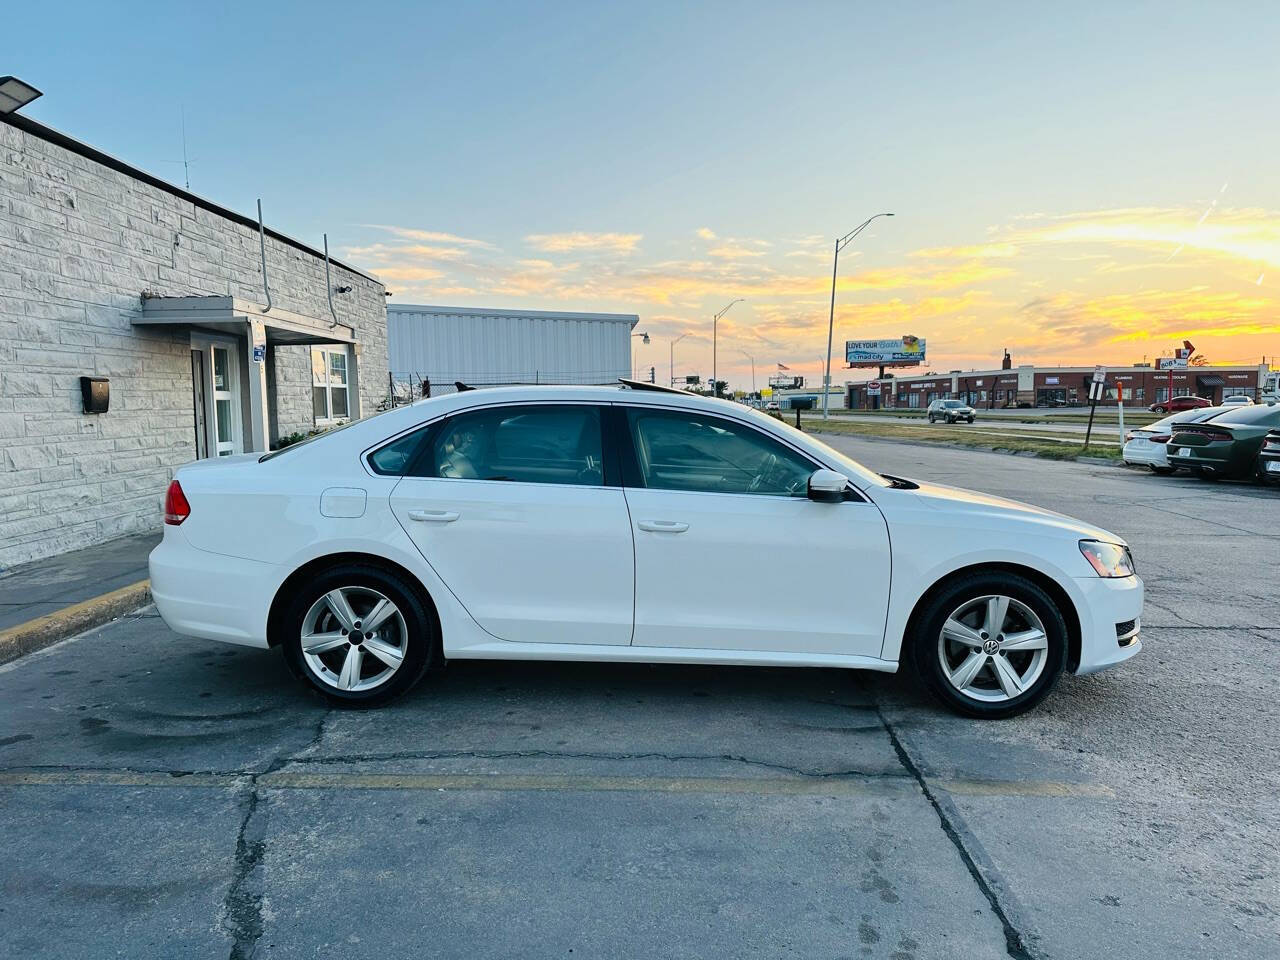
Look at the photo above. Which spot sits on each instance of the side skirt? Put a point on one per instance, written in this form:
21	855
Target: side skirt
507	650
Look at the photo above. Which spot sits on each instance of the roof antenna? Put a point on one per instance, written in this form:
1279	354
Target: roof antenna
461	387
186	165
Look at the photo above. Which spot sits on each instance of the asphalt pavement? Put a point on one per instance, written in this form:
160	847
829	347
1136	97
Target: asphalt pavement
165	797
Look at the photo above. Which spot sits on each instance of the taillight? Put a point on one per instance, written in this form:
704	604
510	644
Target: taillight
176	508
1159	438
1129	436
1271	443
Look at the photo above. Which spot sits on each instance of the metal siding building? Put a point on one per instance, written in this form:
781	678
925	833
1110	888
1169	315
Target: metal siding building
480	346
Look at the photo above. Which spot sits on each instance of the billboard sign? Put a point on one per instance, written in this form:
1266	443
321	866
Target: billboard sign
907	351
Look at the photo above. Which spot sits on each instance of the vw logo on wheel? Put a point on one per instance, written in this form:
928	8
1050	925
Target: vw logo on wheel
990	647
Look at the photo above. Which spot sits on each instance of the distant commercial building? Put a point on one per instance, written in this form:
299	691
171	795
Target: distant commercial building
156	302
1052	386
485	347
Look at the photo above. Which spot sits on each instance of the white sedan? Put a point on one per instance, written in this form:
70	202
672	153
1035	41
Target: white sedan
611	524
1149	446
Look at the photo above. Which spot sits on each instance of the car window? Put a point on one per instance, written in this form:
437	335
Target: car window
690	451
393	459
1250	416
521	444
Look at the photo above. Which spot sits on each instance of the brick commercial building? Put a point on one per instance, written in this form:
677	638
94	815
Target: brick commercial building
107	272
1053	386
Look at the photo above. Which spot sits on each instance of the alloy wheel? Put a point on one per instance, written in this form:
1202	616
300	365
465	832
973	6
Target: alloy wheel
354	638
993	648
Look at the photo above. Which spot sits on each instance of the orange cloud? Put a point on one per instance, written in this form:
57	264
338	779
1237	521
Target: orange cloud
561	242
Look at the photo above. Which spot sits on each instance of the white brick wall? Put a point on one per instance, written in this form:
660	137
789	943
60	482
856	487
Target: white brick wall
79	243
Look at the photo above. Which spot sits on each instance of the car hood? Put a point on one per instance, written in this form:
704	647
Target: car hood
984	505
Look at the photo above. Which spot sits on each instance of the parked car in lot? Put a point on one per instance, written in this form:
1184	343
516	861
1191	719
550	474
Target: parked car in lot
1269	457
1185	402
951	411
1237	400
772	405
576	523
1149	445
1226	447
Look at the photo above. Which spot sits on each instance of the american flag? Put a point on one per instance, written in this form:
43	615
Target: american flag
783	366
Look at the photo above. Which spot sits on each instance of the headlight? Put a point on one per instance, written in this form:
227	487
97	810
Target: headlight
1108	559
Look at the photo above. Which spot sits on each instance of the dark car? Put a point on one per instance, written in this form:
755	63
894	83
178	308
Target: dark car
1227	446
1269	457
951	411
1180	403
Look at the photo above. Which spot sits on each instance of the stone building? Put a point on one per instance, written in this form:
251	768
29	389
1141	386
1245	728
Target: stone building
107	272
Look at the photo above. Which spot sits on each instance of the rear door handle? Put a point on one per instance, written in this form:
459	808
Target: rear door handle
663	526
434	516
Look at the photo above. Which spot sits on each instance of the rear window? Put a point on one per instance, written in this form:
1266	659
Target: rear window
1251	416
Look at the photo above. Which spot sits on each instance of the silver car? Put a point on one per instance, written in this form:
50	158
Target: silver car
951	411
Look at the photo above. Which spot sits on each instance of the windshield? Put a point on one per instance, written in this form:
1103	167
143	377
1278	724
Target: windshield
950	404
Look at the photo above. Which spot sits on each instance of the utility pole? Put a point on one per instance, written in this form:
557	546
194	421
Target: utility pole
753	369
673	357
841	243
715	321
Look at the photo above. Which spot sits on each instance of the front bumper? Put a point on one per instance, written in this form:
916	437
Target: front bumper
209	595
1109	603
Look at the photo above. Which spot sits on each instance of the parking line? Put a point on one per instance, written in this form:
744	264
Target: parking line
844	786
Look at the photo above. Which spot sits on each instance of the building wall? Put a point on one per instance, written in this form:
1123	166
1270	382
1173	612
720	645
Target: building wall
503	346
79	244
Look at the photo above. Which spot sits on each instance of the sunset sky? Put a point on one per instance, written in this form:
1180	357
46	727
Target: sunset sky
1077	185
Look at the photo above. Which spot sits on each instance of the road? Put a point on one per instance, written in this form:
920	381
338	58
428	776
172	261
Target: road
166	797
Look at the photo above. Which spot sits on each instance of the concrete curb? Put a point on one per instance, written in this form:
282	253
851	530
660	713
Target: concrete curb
47	630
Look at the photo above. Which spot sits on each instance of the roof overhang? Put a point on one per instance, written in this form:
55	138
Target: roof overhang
1210	380
231	314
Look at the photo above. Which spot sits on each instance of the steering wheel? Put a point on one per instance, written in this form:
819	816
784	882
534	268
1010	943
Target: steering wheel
767	466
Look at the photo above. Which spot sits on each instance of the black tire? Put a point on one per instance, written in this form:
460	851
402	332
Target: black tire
931	418
1163	471
420	643
923	643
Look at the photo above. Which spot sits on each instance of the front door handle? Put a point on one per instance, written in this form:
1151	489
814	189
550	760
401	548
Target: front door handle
434	516
663	526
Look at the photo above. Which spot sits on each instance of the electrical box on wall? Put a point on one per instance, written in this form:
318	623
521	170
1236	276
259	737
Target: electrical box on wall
96	393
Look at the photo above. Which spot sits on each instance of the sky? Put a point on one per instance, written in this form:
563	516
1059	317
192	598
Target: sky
1076	183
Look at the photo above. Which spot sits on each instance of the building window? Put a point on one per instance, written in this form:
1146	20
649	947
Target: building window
1138	392
329	384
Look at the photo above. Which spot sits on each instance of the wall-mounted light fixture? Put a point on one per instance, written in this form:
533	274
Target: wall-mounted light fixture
14	94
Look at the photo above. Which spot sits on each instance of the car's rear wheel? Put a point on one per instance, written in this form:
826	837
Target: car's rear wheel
1163	471
990	645
359	635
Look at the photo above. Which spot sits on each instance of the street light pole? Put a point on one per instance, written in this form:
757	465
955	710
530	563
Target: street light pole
753	369
715	321
841	243
672	382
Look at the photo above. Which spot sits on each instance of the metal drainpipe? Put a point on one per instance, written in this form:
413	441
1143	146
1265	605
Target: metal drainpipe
328	283
262	245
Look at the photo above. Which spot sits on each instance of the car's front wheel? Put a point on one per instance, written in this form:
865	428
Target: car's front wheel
990	645
360	635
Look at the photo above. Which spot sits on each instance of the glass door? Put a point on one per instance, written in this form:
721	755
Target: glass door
226	401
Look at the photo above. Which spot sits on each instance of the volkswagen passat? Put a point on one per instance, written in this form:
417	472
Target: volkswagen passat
606	523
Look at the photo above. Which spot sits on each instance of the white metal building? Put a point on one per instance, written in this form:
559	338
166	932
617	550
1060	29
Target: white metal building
486	347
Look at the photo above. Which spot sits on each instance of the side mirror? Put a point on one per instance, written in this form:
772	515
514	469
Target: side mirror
827	486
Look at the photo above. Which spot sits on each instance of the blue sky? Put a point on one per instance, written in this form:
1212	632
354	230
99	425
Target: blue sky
1049	159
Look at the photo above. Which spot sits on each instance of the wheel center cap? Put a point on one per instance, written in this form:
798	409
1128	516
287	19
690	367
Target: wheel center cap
990	647
356	637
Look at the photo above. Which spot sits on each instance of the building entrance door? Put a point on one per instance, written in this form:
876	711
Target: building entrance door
216	379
